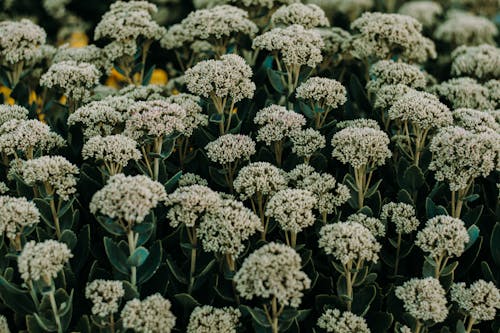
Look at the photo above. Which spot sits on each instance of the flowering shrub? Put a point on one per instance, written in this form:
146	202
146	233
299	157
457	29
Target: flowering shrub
249	166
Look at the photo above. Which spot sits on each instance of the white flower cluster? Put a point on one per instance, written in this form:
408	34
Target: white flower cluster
259	177
481	62
361	146
426	12
376	227
481	300
17	214
273	270
42	260
3	188
189	203
337	41
388	72
229	77
194	116
74	78
460	156
226	226
276	123
359	122
333	321
402	215
154	118
329	194
307	142
105	296
464	92
292	209
102	117
151	315
4	325
28	136
230	148
465	29
124	23
322	91
384	35
443	234
422	110
262	3
388	94
349	241
188	179
128	198
424	299
12	112
88	54
296	45
219	22
142	93
475	120
207	319
20	41
56	171
309	16
116	149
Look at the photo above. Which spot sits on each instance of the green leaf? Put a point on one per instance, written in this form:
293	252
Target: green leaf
473	215
138	258
16	299
69	238
471	198
130	291
111	226
449	269
67	205
147	77
379	322
433	210
495	243
413	178
460	327
373	189
216	118
473	232
187	301
150	266
45	212
258	315
176	271
116	256
487	273
81	250
363	299
275	79
172	182
405	197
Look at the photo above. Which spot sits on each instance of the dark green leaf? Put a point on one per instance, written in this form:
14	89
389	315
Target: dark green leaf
116	256
137	258
150	266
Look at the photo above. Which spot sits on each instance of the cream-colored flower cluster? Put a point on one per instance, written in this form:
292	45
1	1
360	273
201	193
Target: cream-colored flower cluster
460	156
306	142
356	123
388	94
349	241
464	92
475	120
328	192
402	215
225	227
277	123
194	116
17	214
116	149
20	41
188	179
262	3
88	54
230	148
309	16
426	12
105	296
337	41
4	325
462	28
361	146
188	204
388	72
481	62
443	234
424	299
229	77
142	93
43	261
292	209
152	314
28	136
334	321
273	270
296	45
56	171
208	319
259	177
376	226
128	198
12	112
382	36
322	91
480	301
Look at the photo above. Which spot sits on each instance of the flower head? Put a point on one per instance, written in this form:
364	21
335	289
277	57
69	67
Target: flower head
259	178
402	215
207	319
481	62
188	179
480	301
466	29
17	214
273	270
12	112
128	198
307	142
152	314
443	234
348	241
464	92
388	94
42	260
116	149
230	148
424	299
426	12
388	72
276	123
376	227
20	41
309	16
292	209
194	116
105	296
333	321
88	54
323	91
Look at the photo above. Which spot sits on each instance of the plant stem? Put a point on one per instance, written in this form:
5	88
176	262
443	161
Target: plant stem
156	163
132	242
192	268
55	311
349	282
418	326
293	239
274	309
398	249
470	324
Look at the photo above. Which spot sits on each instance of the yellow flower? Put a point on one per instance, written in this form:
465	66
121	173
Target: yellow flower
159	76
78	39
6	95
